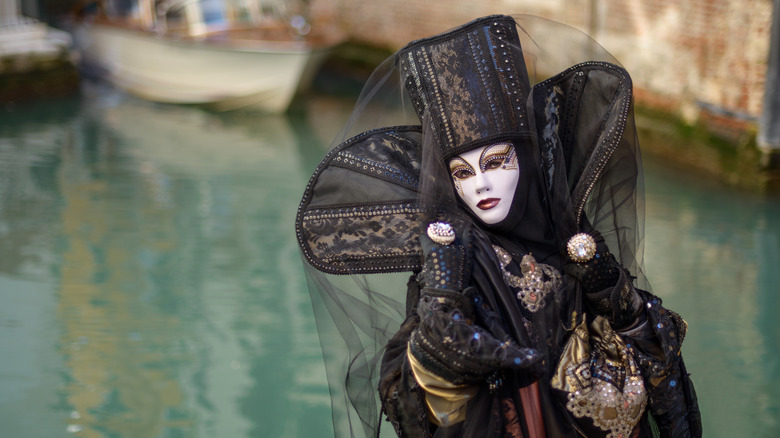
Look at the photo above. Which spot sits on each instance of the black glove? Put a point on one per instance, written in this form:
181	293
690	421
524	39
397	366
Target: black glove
606	285
448	342
599	272
446	266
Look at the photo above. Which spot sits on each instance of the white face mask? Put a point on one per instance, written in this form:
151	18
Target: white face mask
485	179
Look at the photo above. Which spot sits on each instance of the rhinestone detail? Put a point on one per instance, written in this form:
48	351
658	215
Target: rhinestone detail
441	233
537	281
581	247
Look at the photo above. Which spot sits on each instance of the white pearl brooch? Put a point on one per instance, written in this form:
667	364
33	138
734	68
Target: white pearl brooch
441	233
581	247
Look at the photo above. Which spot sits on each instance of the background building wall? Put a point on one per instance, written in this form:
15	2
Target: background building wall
684	55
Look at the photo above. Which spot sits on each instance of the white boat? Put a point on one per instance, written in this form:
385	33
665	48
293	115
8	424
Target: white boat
227	53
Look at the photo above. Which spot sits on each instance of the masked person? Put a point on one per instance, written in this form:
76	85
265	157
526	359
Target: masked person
517	208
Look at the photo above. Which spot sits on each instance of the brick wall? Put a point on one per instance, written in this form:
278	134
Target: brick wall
684	55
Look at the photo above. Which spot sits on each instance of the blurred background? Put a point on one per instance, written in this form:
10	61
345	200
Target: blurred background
150	281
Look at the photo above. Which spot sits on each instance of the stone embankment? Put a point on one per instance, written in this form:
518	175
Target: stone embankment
35	60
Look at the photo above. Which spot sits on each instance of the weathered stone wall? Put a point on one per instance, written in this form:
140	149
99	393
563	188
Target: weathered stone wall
684	55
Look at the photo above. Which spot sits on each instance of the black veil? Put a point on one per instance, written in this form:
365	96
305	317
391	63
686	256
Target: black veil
382	182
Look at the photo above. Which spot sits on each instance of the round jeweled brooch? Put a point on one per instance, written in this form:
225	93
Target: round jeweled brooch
581	247
441	233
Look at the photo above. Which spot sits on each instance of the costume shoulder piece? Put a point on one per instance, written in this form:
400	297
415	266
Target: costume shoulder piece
587	144
359	212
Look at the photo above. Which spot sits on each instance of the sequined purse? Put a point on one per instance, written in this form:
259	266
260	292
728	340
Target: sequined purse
600	380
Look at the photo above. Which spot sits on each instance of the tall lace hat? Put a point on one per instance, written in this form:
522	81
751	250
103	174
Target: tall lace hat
471	82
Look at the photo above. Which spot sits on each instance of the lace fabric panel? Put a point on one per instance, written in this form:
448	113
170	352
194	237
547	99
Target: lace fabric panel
356	239
372	225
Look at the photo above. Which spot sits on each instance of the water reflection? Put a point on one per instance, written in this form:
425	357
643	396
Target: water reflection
175	305
151	284
714	254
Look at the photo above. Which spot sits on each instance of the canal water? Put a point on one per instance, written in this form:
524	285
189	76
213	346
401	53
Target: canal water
151	286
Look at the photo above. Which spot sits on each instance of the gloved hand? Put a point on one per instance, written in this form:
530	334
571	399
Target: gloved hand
448	342
606	285
596	271
447	266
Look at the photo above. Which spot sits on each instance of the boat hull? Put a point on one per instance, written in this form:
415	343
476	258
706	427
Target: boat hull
186	71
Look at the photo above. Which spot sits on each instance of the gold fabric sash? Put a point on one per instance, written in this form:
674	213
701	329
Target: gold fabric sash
446	401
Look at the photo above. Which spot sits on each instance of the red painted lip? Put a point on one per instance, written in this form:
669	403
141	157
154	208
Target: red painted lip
487	204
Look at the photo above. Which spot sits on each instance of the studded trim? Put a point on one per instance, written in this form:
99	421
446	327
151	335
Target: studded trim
376	169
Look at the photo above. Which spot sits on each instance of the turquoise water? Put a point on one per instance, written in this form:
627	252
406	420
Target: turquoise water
150	283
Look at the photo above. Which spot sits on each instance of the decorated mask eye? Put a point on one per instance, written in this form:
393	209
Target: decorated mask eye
493	163
485	179
501	155
460	169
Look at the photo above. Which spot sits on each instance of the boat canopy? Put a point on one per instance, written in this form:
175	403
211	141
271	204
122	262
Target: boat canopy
199	17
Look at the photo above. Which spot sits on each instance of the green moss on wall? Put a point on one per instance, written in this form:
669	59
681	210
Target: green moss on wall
36	78
734	159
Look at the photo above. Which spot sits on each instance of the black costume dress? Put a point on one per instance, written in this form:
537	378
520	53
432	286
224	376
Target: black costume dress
501	332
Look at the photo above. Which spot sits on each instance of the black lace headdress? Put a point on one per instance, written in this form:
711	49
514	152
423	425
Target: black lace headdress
470	89
549	89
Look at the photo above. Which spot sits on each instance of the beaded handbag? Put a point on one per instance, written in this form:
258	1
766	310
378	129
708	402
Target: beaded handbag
600	380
